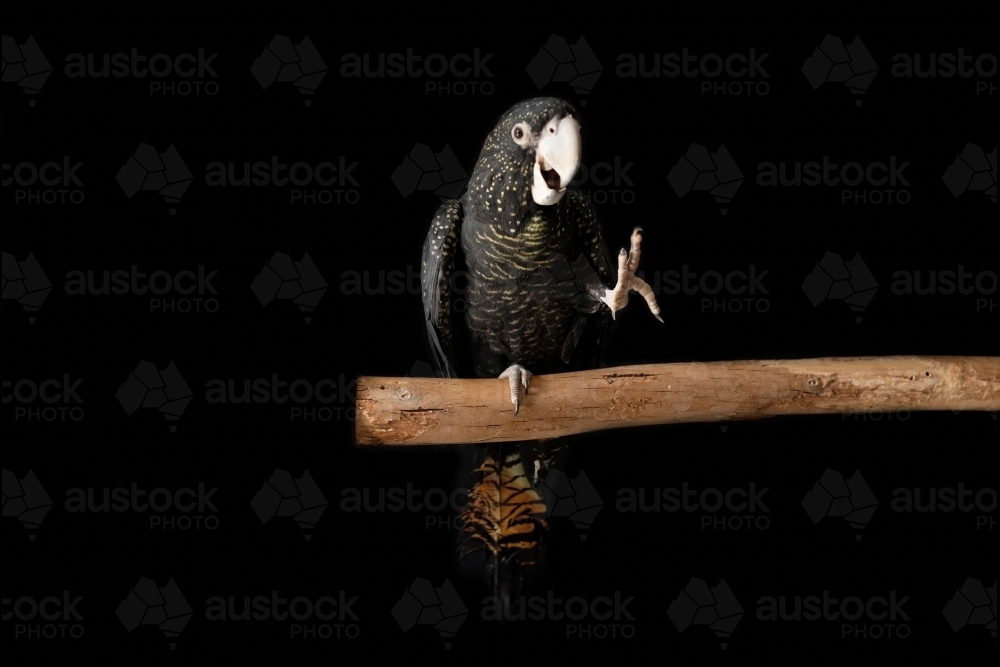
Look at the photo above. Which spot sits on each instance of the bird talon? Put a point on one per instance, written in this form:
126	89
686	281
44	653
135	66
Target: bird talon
628	263
518	377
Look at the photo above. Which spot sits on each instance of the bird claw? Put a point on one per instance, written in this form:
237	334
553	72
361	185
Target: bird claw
628	263
519	377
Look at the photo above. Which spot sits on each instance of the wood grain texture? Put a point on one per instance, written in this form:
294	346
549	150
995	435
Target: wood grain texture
432	411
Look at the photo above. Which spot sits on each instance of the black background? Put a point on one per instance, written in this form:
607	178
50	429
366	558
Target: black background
376	122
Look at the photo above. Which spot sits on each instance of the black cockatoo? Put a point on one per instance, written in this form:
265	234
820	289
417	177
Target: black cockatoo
540	295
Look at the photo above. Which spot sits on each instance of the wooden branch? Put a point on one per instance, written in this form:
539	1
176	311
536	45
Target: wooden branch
432	411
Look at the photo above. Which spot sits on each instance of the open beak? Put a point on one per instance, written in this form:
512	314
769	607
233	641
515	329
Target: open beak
557	157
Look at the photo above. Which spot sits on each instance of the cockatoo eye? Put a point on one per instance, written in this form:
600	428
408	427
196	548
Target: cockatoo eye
521	134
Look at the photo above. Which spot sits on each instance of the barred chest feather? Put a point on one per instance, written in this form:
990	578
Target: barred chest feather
525	294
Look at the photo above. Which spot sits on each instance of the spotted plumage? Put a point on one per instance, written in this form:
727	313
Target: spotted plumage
516	277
